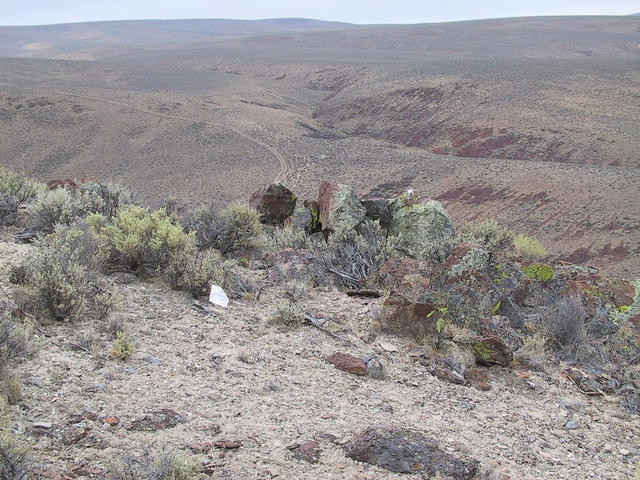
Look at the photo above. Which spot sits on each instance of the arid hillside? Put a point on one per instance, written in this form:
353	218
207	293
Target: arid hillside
532	121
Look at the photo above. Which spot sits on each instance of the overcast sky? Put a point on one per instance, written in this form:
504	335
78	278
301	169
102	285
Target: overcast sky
30	12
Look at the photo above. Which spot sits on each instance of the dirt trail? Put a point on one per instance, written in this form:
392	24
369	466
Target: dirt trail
284	167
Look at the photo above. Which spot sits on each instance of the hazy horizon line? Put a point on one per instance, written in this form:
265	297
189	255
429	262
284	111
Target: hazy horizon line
79	22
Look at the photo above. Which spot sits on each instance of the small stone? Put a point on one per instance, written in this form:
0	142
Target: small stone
624	451
227	444
478	378
571	425
348	363
43	425
607	448
153	360
156	420
111	420
375	369
309	451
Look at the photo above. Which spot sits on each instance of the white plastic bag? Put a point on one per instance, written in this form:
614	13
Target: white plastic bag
218	297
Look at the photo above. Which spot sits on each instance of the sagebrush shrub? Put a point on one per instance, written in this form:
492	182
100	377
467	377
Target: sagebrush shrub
242	229
141	240
18	187
488	234
280	238
529	248
123	346
207	225
60	206
194	271
60	274
289	314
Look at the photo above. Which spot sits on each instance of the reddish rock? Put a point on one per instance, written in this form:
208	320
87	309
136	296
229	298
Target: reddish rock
274	203
348	363
621	292
309	451
402	450
492	350
478	378
404	316
66	183
111	420
326	201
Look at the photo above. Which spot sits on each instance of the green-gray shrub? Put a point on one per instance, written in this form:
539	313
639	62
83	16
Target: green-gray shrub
487	234
194	271
289	314
242	230
60	206
141	240
60	273
18	187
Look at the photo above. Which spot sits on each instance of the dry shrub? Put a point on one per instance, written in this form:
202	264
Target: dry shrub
352	257
13	347
567	326
529	248
207	225
164	465
15	461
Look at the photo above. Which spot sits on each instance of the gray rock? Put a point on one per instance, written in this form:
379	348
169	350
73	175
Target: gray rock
375	369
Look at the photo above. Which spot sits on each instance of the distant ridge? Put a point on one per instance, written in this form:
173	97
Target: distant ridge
50	40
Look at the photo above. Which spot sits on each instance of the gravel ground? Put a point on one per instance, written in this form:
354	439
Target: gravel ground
232	375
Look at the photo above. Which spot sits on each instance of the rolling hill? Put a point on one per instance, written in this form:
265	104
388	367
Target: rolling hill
532	121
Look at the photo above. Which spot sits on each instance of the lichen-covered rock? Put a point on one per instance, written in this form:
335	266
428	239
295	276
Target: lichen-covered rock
340	209
422	230
491	350
274	203
402	450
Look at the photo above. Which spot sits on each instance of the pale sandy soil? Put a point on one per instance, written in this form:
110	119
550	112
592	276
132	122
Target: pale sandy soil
270	388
